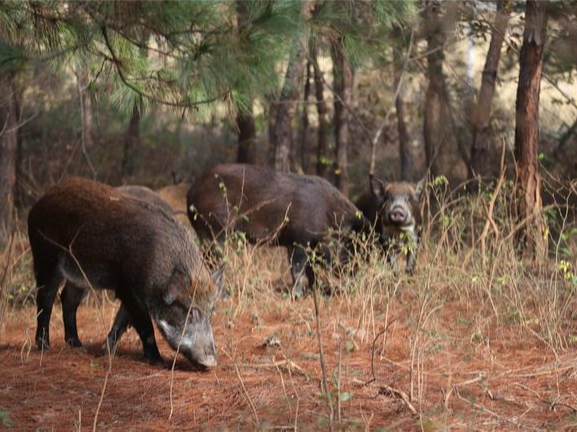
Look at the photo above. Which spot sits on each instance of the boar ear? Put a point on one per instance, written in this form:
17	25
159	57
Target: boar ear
217	279
420	187
178	281
377	187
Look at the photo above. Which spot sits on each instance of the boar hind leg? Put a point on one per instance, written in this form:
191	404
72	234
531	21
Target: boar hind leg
140	319
119	327
48	283
71	298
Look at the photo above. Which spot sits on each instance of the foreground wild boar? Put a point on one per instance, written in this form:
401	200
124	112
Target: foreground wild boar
394	209
92	235
285	209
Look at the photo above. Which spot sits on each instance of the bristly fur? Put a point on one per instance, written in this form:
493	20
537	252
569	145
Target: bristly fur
94	235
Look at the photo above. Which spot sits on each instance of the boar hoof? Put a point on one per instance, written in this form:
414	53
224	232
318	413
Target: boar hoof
42	344
153	357
158	362
74	343
109	347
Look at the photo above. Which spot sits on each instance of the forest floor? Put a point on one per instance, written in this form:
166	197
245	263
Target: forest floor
454	365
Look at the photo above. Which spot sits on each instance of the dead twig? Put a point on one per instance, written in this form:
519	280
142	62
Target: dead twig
247	396
552	403
490	222
322	358
285	364
102	393
382	332
387	390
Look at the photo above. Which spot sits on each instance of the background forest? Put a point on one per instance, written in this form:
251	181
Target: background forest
148	92
479	96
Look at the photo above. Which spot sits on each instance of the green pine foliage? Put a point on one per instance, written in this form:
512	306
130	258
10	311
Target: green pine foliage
184	54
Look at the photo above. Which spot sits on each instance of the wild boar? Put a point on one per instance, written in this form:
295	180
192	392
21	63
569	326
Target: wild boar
294	211
91	235
394	209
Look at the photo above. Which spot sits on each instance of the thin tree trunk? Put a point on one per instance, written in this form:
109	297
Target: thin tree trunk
244	118
19	189
305	120
529	203
343	86
407	162
483	156
441	146
131	142
322	110
87	111
246	135
86	137
8	150
283	130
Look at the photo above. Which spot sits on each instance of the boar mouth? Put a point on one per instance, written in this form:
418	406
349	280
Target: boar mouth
204	364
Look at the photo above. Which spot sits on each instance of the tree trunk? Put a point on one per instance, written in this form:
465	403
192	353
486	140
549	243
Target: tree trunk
441	146
305	120
407	162
131	143
87	127
343	86
8	150
86	137
322	109
484	162
529	205
244	117
283	129
246	135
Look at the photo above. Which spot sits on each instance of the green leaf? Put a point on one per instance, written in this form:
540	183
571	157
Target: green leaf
345	396
6	420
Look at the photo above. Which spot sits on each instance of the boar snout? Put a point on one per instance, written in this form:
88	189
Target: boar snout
196	343
398	215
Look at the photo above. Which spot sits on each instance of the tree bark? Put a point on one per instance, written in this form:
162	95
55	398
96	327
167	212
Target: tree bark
86	111
305	120
286	109
343	86
86	137
244	118
529	204
322	110
441	146
407	162
246	135
131	142
484	162
8	152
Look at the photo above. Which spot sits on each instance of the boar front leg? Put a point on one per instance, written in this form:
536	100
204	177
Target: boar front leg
412	252
121	322
300	266
140	319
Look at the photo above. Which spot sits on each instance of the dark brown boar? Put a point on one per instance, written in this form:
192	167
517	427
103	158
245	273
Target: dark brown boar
93	235
294	211
394	209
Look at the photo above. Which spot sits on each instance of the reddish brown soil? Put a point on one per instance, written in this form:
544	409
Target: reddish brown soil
505	379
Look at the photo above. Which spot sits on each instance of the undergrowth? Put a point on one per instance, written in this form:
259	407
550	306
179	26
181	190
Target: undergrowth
467	259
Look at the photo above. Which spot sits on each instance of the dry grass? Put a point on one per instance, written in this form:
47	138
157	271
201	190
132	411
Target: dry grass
477	338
